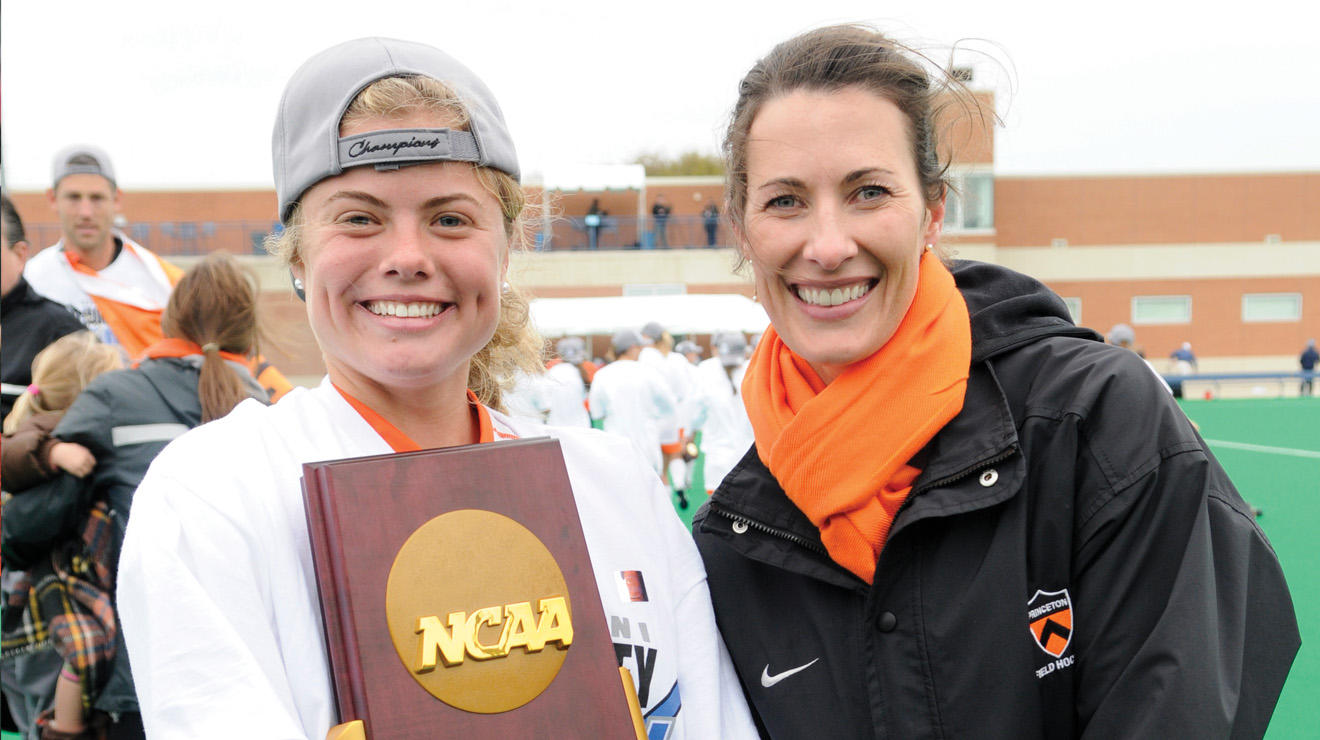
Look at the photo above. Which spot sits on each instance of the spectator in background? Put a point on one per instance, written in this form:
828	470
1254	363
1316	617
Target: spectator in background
710	218
660	211
115	286
632	399
31	321
1185	358
1307	360
1184	364
593	221
1121	335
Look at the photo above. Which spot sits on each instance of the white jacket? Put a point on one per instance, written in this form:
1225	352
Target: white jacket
726	434
567	396
218	598
633	400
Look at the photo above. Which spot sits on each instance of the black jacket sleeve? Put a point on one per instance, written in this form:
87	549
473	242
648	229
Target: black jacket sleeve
1182	611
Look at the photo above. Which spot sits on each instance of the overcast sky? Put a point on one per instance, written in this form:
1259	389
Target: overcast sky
184	94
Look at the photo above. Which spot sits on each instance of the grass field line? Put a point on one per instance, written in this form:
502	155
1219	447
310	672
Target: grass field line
1263	448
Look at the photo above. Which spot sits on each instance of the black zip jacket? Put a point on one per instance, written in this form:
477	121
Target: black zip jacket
1072	562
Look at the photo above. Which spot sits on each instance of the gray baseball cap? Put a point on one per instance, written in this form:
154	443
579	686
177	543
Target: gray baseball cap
730	347
572	349
81	159
624	340
1121	334
653	331
307	147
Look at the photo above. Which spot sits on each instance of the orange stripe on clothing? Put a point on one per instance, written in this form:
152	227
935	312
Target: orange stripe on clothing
177	347
400	442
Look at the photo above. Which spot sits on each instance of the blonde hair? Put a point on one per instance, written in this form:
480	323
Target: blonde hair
215	305
515	347
59	373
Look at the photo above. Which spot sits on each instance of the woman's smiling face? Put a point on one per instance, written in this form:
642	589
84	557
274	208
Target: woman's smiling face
835	223
402	269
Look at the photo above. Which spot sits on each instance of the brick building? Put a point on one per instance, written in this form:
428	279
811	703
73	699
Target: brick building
1229	262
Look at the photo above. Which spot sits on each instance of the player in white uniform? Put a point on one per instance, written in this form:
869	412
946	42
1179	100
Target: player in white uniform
726	434
566	391
401	265
632	399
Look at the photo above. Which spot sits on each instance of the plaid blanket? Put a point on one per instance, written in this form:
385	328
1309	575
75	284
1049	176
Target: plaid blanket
66	601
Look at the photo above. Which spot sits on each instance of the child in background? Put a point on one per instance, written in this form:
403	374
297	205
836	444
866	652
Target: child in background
31	456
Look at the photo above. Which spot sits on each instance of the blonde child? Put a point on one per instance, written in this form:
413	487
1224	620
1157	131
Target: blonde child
31	456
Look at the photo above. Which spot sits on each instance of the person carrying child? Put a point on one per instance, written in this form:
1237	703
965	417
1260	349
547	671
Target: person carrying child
63	603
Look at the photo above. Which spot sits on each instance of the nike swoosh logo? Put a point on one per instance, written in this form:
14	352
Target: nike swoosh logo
768	680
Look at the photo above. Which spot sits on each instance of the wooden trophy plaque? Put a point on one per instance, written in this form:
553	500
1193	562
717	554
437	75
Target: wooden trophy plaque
459	598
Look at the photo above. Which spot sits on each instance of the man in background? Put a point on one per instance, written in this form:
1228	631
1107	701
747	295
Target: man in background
115	286
660	211
1121	335
1307	360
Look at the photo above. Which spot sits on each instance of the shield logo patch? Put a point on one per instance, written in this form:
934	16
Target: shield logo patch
1049	614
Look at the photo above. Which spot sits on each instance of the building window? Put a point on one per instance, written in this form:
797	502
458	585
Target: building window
1162	309
632	289
1074	309
971	202
1258	307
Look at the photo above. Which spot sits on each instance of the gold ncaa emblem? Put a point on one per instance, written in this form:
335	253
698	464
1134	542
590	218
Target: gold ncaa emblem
478	611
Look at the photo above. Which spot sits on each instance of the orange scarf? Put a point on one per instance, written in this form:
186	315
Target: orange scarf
841	451
401	442
176	347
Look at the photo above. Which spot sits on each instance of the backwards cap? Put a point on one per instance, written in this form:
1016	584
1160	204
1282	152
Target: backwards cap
730	347
99	164
653	331
306	143
572	349
624	340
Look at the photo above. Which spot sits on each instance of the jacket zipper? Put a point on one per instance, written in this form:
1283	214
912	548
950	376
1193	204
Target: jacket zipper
964	473
767	529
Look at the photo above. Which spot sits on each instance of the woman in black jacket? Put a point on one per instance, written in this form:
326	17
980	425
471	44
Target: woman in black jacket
962	516
196	374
